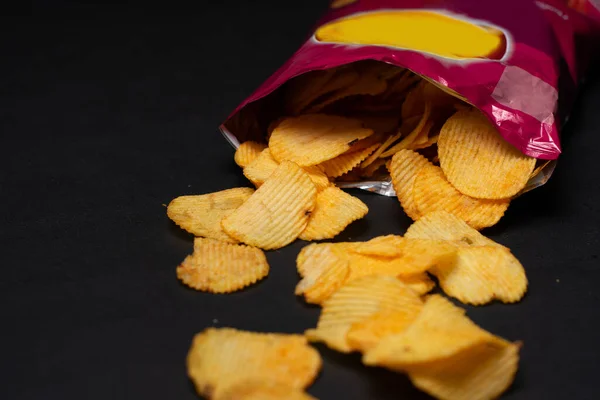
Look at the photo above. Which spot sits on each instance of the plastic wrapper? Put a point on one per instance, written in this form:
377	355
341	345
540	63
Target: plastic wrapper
520	62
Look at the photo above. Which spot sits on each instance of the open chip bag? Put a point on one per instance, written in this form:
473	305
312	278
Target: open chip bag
476	90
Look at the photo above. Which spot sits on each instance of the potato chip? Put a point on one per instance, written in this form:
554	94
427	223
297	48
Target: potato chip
367	333
403	169
201	215
442	225
432	192
221	358
247	152
367	84
380	123
303	89
261	390
413	103
314	138
318	177
479	373
373	157
419	283
439	331
407	141
220	267
382	246
344	163
261	168
323	274
277	212
482	274
399	86
356	301
478	161
333	212
343	77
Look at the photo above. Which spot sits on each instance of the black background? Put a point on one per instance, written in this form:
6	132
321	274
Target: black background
107	113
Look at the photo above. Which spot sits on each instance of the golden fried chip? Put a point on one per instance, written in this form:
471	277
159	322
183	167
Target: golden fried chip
377	153
365	334
303	89
432	192
478	161
334	211
220	267
406	142
323	273
356	301
383	246
247	152
367	84
479	373
201	215
439	331
260	168
414	102
442	225
277	212
419	283
318	177
261	390
344	163
221	358
314	138
403	169
482	274
376	166
343	77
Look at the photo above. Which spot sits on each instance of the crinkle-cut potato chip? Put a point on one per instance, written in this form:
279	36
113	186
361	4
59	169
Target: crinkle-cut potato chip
373	157
323	274
344	163
261	168
247	152
305	88
383	246
261	390
478	161
277	212
314	138
201	215
220	267
318	177
432	192
480	373
343	77
439	331
413	103
406	142
482	274
400	86
367	84
365	334
419	283
403	169
333	212
221	358
442	225
356	301
377	166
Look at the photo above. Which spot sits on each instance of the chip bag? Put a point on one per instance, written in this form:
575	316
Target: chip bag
521	73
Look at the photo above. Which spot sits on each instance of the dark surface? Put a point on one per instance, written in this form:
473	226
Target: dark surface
107	116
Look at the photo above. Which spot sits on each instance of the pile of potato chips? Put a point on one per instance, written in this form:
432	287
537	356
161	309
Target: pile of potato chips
453	175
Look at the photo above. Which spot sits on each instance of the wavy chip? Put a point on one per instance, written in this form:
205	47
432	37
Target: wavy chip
247	152
314	138
482	274
220	267
403	169
318	177
478	161
419	283
442	225
201	215
479	373
259	169
432	192
277	212
344	163
323	274
406	142
333	212
356	301
439	331
367	333
261	390
221	358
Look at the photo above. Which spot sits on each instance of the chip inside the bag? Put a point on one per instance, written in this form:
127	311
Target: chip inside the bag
221	358
221	267
261	390
247	152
